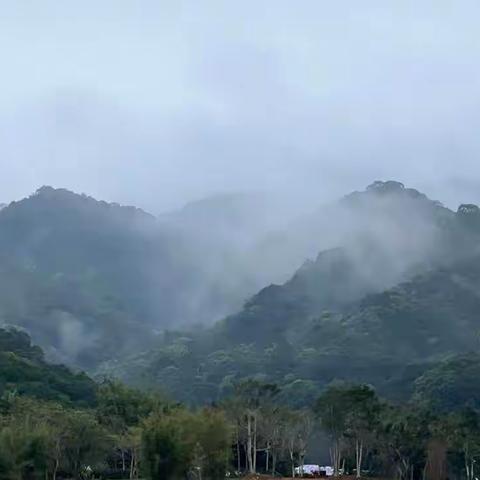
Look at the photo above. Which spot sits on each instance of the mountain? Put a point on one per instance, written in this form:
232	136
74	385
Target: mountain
77	273
95	283
387	234
401	293
92	280
400	224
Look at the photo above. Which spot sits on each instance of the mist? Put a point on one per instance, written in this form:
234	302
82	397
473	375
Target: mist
239	127
160	103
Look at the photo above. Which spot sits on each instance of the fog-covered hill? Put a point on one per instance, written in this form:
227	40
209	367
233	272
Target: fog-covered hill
76	273
381	309
95	282
92	280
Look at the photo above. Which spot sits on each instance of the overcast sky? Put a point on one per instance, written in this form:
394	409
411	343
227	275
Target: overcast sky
156	102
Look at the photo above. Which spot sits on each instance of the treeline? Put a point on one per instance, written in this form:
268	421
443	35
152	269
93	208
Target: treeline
130	434
367	435
410	441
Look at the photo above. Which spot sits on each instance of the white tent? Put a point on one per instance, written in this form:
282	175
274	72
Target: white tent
314	470
308	470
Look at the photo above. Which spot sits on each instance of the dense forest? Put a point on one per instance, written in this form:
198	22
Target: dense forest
365	358
57	424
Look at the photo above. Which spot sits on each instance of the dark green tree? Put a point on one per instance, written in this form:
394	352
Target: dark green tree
164	454
24	450
332	411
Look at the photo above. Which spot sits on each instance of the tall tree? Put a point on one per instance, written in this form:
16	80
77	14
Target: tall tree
254	396
362	416
332	410
404	434
464	435
297	429
164	455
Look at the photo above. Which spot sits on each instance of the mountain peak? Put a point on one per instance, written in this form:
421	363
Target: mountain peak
388	186
391	190
392	187
57	199
468	209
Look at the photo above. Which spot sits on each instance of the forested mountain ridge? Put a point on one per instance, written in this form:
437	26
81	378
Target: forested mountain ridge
401	236
358	313
73	273
92	280
393	288
388	339
401	224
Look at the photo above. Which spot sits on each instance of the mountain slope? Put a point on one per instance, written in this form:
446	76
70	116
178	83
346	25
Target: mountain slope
23	370
400	224
78	274
383	339
355	313
92	280
390	234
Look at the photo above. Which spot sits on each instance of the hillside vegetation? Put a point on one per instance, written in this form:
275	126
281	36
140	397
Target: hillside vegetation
92	280
103	286
368	311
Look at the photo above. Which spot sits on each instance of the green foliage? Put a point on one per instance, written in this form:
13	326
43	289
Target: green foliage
362	408
451	384
70	438
24	449
77	275
23	369
387	339
180	441
404	433
120	407
163	454
349	413
254	394
213	438
332	410
299	393
463	432
86	441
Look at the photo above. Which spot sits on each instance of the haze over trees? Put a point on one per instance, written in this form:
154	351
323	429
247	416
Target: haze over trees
365	356
103	278
381	308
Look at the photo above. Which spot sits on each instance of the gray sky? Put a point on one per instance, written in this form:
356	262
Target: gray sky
158	102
